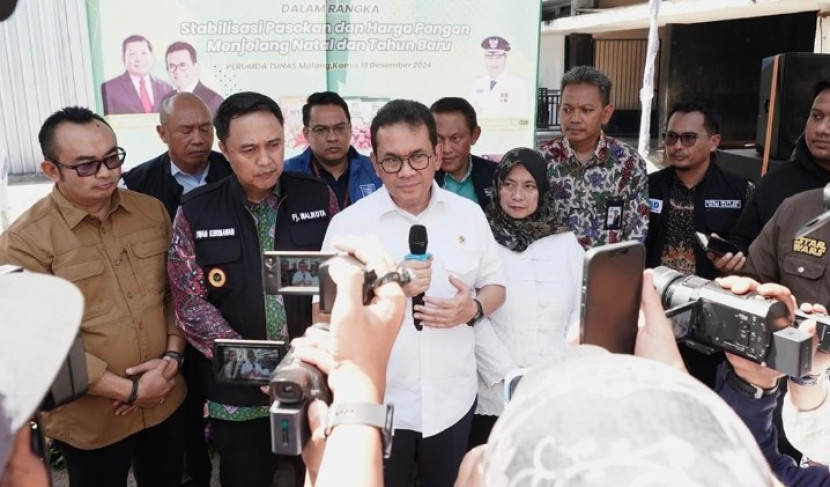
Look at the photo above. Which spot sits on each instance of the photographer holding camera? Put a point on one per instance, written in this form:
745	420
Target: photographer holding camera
354	353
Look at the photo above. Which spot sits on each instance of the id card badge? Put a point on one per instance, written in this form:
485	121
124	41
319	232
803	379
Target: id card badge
614	213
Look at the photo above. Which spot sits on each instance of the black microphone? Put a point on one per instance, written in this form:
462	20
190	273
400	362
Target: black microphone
417	251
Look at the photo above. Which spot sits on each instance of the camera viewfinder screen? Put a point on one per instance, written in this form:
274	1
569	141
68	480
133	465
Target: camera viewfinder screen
300	272
247	364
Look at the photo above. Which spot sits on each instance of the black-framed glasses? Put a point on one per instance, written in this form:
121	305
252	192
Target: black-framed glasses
339	130
688	139
172	68
394	164
91	168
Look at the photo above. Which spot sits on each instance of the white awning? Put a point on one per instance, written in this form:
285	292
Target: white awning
677	12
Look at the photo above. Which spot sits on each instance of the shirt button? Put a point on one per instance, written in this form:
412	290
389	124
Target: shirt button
800	269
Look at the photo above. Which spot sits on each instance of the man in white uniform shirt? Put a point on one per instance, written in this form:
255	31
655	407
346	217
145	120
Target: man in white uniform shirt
498	94
431	378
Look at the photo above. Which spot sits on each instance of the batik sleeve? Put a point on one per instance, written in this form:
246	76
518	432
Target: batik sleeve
198	319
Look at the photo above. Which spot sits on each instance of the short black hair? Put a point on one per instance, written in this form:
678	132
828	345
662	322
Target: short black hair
410	112
324	98
240	104
134	38
819	86
76	115
590	76
181	46
454	104
711	118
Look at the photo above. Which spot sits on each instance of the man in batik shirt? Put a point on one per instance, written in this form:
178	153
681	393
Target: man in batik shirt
215	271
595	178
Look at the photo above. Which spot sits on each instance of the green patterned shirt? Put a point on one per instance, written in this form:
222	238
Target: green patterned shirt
265	216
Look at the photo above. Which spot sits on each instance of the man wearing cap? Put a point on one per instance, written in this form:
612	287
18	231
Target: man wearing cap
498	94
112	244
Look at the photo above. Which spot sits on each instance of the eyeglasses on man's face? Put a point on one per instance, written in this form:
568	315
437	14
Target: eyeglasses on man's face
172	68
394	164
688	139
91	168
340	130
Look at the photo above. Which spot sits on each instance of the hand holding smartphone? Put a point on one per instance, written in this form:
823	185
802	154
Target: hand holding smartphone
716	245
612	285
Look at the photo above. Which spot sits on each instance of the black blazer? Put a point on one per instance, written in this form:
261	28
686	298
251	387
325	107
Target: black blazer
482	176
154	178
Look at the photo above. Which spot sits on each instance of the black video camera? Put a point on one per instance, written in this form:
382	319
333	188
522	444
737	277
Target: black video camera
293	386
707	317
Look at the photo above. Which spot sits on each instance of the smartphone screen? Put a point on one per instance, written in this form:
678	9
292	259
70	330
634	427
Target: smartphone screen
246	361
612	283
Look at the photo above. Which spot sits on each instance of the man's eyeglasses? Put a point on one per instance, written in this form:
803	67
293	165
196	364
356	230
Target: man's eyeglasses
91	168
172	68
394	164
688	139
340	130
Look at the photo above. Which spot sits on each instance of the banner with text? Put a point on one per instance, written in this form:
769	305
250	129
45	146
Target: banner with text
368	51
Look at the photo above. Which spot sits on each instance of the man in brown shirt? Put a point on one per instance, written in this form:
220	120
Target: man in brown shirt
112	244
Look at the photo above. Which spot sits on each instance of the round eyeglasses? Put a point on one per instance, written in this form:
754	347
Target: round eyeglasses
394	164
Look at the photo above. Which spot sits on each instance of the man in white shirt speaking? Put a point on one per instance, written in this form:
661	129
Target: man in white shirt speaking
431	378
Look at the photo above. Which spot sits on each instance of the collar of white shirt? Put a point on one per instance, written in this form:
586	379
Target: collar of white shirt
386	204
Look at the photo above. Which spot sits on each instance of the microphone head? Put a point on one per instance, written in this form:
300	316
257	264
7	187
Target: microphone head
417	239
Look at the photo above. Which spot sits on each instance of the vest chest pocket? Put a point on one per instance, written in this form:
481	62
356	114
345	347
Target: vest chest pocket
89	277
149	260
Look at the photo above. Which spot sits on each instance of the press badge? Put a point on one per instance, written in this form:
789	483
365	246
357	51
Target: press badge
613	213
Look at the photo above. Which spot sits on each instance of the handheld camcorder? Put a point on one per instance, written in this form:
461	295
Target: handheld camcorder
292	383
707	317
293	386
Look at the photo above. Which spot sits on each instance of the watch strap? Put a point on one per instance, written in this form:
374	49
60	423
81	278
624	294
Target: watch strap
807	380
133	393
377	415
747	389
479	313
177	356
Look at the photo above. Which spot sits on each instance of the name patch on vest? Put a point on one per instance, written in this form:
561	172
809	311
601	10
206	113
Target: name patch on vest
810	246
308	215
215	233
655	205
367	189
731	204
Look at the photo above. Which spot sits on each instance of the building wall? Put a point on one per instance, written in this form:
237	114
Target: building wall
551	61
720	62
